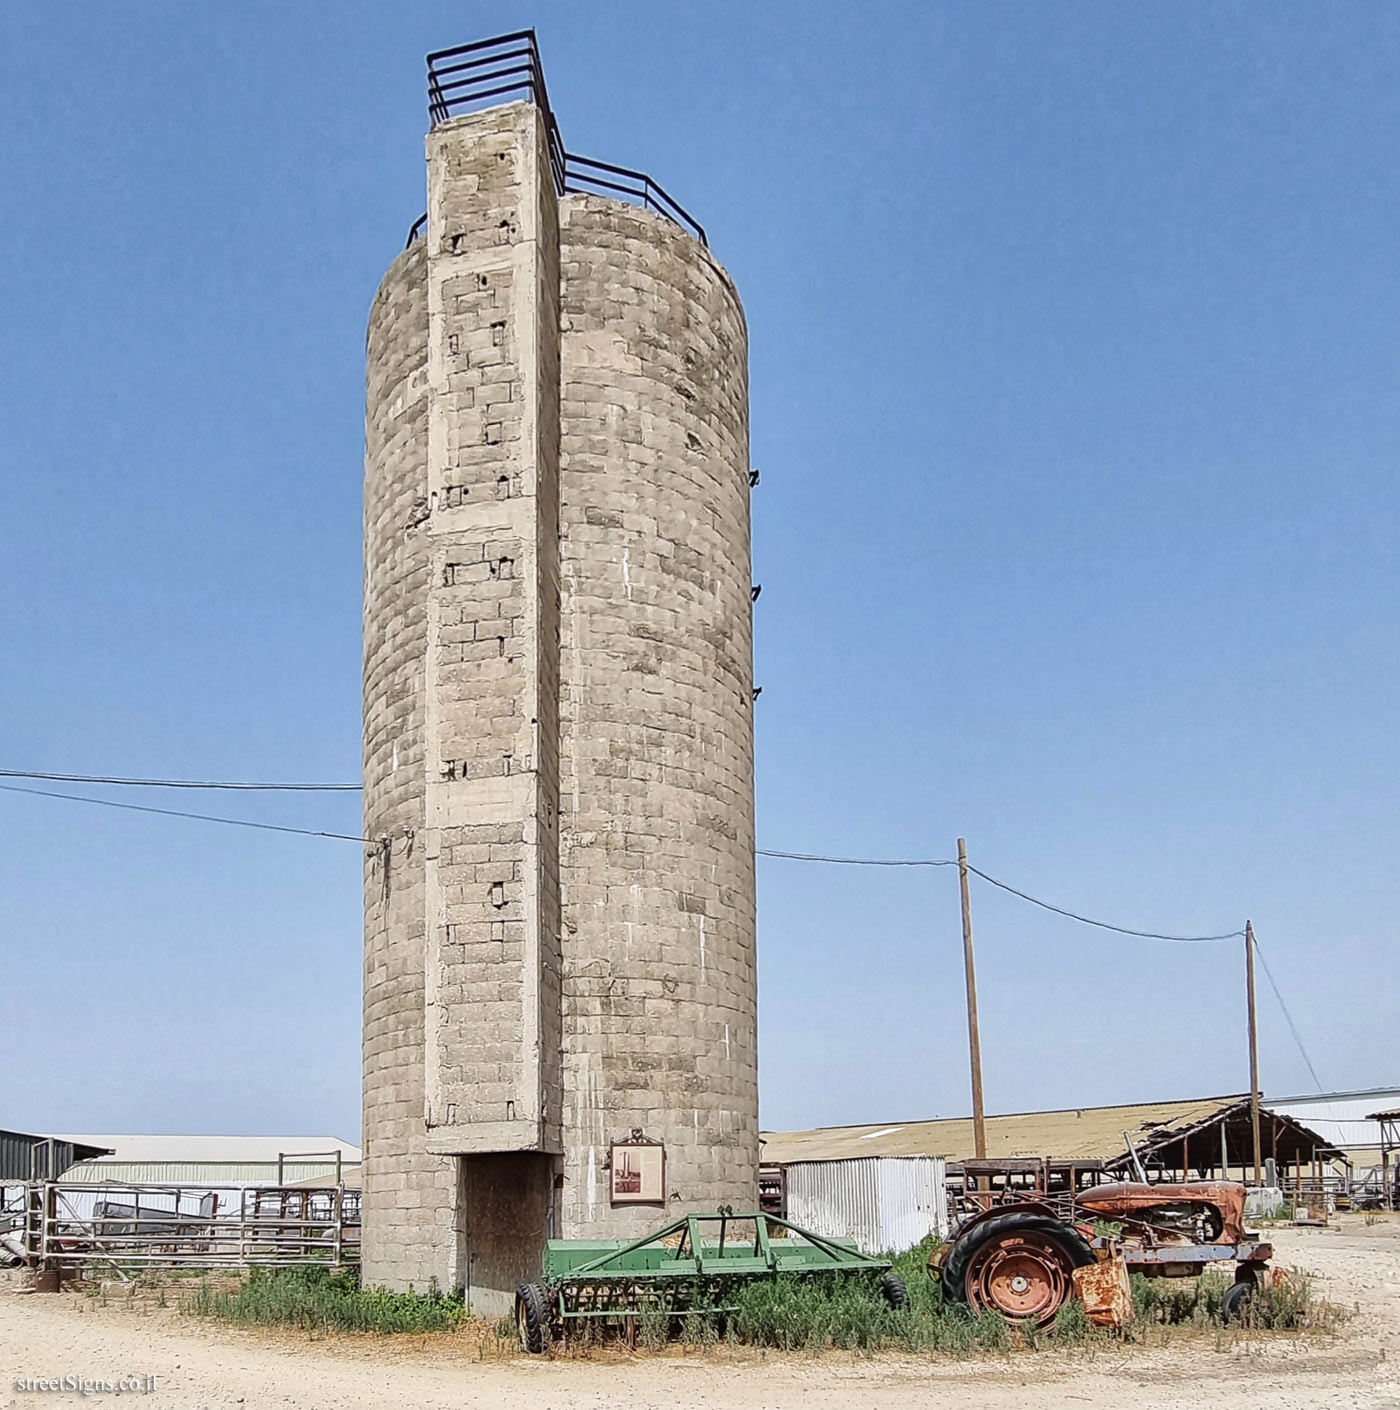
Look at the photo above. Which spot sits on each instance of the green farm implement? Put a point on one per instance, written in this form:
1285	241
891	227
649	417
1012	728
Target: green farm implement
697	1264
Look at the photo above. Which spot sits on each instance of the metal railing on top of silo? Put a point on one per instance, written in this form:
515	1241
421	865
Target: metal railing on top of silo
468	75
583	174
460	78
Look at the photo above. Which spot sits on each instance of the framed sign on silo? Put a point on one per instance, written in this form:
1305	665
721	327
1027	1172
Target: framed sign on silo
638	1171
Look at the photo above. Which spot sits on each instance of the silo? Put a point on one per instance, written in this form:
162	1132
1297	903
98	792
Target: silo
657	859
398	1240
559	902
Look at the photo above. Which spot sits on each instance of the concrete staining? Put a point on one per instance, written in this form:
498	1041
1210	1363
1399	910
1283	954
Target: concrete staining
559	922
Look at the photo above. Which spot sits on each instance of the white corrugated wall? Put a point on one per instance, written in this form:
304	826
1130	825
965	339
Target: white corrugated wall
192	1174
885	1203
912	1201
1340	1117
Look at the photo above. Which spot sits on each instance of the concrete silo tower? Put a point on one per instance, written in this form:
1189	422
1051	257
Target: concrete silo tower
560	1001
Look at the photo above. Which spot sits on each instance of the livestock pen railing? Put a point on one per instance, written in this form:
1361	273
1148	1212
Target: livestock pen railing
71	1226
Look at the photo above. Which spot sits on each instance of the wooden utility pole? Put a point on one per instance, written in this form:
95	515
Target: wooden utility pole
974	1043
1253	1048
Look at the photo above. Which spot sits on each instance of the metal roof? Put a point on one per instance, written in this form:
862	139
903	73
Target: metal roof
1370	1092
1073	1133
1343	1118
215	1150
206	1172
27	1157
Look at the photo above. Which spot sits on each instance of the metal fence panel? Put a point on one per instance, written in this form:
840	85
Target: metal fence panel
128	1226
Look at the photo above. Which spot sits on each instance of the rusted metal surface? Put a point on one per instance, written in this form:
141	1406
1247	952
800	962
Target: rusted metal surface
1105	1291
1048	1207
1026	1277
1015	1180
1172	1139
772	1190
1020	1260
1167	1213
1186	1260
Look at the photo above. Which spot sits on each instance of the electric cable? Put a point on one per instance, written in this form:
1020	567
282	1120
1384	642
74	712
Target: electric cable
1103	924
858	861
173	813
1288	1017
762	852
184	783
1034	900
1070	915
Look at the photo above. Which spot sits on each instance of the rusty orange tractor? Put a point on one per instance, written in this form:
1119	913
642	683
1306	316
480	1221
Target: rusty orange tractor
1024	1259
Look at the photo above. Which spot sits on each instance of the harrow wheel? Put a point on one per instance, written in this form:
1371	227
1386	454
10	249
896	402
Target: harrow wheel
1019	1266
895	1293
532	1317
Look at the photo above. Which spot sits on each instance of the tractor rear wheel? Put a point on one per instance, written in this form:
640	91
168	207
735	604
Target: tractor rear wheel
532	1317
1020	1266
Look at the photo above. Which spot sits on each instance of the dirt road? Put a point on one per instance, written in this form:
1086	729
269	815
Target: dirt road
198	1365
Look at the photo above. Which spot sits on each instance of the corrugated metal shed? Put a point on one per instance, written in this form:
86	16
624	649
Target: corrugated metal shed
886	1204
214	1160
1085	1133
1075	1133
240	1149
27	1157
171	1172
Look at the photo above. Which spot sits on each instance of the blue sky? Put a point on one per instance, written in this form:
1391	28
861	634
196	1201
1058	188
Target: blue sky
1075	331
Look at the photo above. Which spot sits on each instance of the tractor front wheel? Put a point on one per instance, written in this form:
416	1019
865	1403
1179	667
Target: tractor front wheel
1235	1305
532	1317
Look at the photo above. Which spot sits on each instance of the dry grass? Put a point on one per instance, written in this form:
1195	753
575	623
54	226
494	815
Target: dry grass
318	1301
785	1314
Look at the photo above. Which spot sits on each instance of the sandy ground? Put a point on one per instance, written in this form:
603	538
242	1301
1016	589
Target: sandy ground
197	1364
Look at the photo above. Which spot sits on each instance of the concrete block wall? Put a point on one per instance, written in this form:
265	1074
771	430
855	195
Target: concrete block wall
558	721
411	1233
657	855
491	853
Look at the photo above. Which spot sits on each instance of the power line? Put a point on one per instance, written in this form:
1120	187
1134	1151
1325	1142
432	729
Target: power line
1103	924
184	783
1034	900
1288	1017
858	861
173	813
1070	915
355	787
762	852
